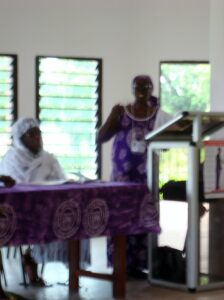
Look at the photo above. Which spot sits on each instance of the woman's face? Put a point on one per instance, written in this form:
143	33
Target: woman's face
32	140
142	90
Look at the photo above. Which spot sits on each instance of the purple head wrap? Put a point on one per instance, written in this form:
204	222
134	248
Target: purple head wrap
142	79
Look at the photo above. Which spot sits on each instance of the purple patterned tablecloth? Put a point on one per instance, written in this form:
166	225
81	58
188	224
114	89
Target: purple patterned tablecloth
31	214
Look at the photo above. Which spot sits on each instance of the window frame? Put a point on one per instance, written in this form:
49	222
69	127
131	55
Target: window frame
99	100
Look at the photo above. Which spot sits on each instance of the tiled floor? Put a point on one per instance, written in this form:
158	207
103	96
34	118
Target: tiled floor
93	289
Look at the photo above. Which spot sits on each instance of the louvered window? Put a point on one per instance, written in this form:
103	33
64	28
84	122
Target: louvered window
8	99
68	107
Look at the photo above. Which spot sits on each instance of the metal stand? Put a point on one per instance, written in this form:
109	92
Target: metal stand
197	126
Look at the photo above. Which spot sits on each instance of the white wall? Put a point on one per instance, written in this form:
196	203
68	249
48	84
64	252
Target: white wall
131	36
217	58
216	54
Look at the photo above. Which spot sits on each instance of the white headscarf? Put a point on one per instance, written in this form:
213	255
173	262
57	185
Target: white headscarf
24	166
19	128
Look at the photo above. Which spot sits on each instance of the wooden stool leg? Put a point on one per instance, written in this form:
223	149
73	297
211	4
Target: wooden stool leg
119	273
8	252
42	269
2	270
15	251
74	255
4	277
22	267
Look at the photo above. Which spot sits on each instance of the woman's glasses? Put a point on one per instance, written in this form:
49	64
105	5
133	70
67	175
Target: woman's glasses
143	87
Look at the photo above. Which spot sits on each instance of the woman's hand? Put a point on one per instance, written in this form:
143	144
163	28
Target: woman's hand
111	126
7	180
117	111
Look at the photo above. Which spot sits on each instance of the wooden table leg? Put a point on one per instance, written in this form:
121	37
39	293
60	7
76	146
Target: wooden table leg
119	273
74	255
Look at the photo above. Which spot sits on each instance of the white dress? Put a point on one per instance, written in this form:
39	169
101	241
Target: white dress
25	167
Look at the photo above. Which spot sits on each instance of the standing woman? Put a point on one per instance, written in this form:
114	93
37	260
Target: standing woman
128	125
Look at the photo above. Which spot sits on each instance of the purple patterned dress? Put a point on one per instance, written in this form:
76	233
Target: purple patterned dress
129	155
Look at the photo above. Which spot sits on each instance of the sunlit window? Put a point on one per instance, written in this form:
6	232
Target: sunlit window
184	86
68	107
8	99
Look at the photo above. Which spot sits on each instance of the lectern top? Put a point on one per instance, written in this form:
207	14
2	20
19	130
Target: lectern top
182	125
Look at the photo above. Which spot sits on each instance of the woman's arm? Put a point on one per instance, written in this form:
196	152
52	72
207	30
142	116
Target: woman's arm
111	126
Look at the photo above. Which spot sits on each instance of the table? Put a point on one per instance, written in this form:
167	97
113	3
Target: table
32	214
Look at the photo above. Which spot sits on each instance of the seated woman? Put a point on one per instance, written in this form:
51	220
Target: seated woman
27	162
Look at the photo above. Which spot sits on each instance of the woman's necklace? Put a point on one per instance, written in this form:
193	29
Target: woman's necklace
138	144
147	112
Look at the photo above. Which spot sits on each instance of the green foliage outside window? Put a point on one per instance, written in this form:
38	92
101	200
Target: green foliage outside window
183	87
